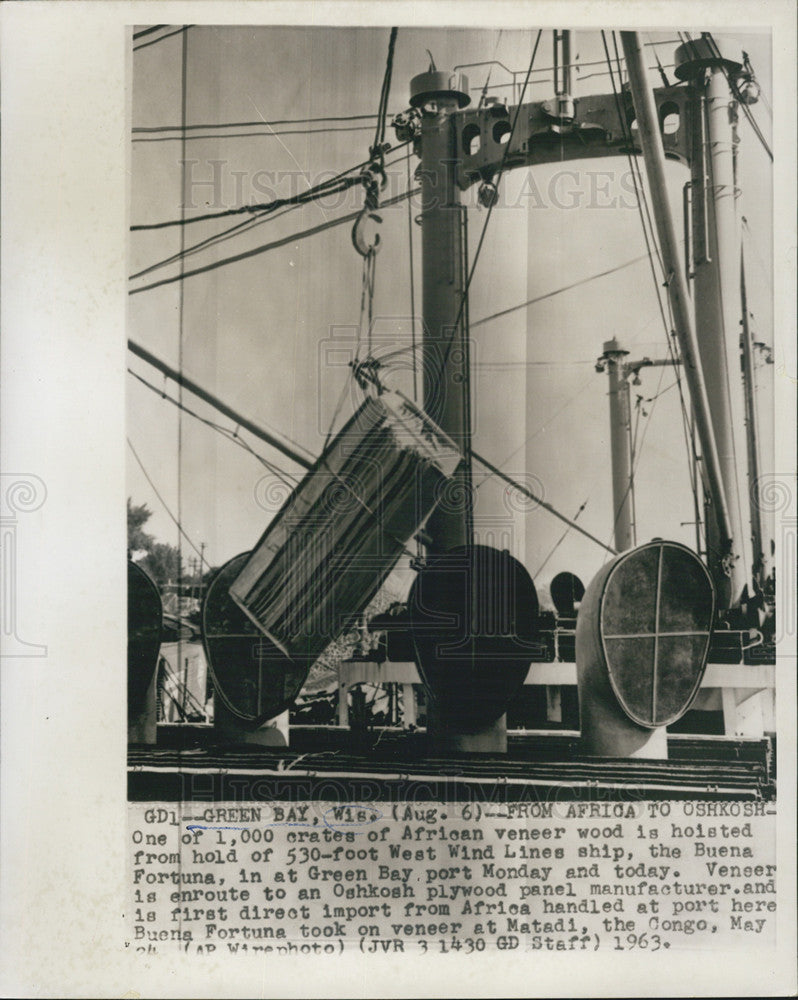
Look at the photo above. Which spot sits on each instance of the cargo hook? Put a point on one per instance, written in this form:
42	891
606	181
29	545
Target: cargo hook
364	243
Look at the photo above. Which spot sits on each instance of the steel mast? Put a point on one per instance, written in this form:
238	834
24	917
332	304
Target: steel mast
621	444
612	361
707	419
716	263
445	349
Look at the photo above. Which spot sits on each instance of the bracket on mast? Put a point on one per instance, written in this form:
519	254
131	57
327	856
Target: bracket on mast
543	136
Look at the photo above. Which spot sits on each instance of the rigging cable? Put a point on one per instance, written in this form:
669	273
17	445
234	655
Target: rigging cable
638	411
525	491
736	92
494	470
254	135
689	436
559	291
210	241
464	296
578	66
181	301
559	541
267	214
369	277
293	238
413	346
550	69
162	38
413	342
373	178
638	455
688	41
468	274
229	435
181	315
148	31
530	437
165	505
724	353
651	399
634	167
182	691
382	109
483	96
365	320
369	175
320	190
640	193
199	127
744	243
280	443
662	74
752	244
466	352
648	228
687	427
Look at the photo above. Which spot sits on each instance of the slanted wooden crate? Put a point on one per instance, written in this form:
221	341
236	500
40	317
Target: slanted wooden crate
342	530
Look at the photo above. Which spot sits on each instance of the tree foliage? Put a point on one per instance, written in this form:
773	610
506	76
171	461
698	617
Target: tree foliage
162	561
137	517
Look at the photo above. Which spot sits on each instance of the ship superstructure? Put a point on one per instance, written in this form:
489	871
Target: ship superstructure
418	492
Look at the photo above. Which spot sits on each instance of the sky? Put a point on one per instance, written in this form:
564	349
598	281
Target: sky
267	334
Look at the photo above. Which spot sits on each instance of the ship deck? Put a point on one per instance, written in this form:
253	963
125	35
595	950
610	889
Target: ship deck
325	763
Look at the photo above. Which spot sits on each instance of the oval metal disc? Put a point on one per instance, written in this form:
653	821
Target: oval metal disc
255	680
656	614
473	611
144	618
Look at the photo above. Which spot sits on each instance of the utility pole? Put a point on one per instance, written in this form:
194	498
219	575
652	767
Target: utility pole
200	570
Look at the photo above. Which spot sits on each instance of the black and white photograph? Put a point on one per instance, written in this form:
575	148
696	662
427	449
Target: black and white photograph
443	368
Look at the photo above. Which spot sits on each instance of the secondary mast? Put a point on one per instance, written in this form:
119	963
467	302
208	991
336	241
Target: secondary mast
445	346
